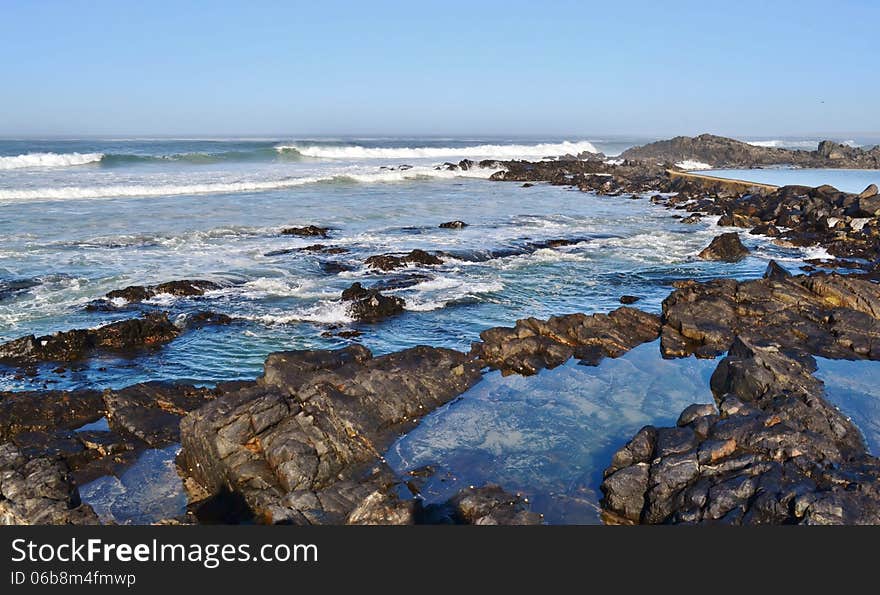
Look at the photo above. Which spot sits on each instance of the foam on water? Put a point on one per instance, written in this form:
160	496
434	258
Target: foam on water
37	160
511	151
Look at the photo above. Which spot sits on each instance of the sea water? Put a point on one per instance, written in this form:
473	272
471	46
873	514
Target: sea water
79	218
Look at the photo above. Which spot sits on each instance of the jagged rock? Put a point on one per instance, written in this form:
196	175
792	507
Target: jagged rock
775	272
388	262
369	305
726	247
309	231
629	299
38	491
151	411
184	288
48	410
453	225
775	452
536	344
870	191
490	505
304	444
831	315
692	219
152	329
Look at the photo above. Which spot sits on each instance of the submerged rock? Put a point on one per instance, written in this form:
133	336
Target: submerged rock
369	305
727	247
309	231
388	262
184	288
453	225
126	335
533	344
304	444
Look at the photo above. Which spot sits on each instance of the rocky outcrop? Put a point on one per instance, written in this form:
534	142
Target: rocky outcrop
831	315
49	424
721	152
453	225
774	452
309	231
369	305
38	491
389	262
303	445
184	288
727	248
127	335
533	344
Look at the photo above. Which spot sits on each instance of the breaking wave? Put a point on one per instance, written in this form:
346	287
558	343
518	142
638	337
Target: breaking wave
49	160
144	190
496	151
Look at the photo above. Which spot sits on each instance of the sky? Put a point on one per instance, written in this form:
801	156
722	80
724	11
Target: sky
550	68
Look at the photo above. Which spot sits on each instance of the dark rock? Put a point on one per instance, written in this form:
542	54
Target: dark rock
691	219
536	344
203	318
491	505
12	287
127	335
765	229
369	305
48	410
39	491
151	411
324	249
629	299
453	225
776	272
727	247
184	288
835	316
870	191
721	152
774	453
309	231
304	444
388	262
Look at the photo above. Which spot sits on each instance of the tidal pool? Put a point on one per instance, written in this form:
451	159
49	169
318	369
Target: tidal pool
550	436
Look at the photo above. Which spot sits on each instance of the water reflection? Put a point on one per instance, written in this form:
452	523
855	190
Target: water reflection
852	386
550	436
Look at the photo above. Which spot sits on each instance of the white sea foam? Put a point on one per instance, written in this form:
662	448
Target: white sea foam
49	160
322	312
142	190
690	164
497	151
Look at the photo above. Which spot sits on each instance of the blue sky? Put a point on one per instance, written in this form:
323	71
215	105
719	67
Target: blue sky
444	68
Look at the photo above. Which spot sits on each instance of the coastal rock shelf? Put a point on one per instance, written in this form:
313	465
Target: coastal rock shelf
339	435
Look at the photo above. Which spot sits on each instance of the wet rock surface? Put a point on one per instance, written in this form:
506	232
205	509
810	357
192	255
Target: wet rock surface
773	452
389	262
184	288
453	225
303	444
369	305
533	344
831	315
727	247
39	491
309	231
150	330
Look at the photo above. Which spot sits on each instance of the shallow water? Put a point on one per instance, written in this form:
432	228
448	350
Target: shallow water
550	436
143	212
853	387
846	180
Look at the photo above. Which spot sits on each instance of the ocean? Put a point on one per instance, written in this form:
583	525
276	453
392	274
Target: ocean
79	218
